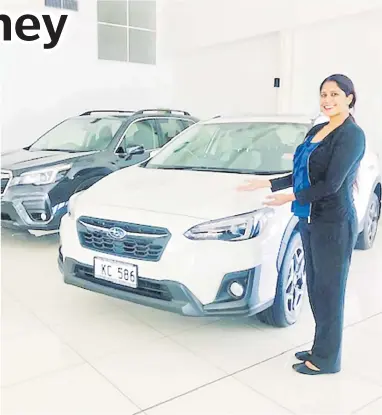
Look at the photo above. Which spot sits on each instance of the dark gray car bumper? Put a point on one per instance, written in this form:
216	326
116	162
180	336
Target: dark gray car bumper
165	295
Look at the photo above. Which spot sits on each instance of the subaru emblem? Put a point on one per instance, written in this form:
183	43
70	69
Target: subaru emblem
117	233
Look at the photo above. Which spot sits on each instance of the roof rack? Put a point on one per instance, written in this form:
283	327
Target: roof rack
118	111
165	110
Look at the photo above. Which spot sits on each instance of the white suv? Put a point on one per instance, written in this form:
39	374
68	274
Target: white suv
174	233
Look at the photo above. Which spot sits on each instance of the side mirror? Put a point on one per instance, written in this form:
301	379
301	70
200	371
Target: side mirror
130	151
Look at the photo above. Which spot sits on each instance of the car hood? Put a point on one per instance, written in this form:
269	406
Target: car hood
202	195
20	160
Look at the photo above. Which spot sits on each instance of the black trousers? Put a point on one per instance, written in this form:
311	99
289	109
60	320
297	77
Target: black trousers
328	249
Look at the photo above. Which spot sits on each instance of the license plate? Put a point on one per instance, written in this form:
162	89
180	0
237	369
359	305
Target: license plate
120	273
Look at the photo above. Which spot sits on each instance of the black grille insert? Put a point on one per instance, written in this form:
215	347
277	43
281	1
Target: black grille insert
5	216
60	256
4	184
147	288
142	242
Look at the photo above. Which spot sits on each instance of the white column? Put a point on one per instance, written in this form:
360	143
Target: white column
284	96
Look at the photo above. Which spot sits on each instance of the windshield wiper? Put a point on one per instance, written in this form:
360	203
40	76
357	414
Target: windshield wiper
191	168
220	170
238	171
57	149
169	167
185	144
216	170
200	168
270	172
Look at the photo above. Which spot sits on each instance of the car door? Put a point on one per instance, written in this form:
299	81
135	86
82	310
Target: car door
141	132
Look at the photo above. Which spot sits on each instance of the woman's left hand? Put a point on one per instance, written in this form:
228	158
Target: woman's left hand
279	200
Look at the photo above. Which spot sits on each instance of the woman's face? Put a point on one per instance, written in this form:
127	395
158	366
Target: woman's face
333	100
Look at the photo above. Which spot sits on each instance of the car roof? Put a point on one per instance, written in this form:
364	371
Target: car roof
261	118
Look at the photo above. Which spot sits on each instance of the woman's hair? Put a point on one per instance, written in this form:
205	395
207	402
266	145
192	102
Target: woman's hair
345	84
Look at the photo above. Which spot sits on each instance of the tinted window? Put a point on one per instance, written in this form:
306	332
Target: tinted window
127	30
112	35
142	14
170	128
79	134
264	148
62	4
142	46
141	133
112	11
188	123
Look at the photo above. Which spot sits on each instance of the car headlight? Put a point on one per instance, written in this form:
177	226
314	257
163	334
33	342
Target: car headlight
72	203
43	176
235	228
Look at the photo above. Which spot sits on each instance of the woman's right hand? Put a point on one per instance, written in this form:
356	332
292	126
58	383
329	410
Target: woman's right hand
254	184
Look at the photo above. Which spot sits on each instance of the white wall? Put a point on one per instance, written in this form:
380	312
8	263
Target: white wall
232	78
204	23
225	51
349	45
41	87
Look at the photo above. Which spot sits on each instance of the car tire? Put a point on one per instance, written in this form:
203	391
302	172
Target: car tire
291	287
366	238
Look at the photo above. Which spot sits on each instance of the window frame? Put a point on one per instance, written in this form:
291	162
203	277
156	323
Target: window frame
128	27
157	129
62	5
183	122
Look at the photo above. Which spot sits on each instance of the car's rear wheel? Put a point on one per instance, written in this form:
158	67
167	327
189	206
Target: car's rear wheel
367	237
291	287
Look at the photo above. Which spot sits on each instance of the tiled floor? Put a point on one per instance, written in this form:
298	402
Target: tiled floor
68	351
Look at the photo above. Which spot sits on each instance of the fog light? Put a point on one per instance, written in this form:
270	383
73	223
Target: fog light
43	216
236	289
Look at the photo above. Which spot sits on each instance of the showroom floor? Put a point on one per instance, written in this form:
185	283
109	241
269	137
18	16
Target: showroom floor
69	351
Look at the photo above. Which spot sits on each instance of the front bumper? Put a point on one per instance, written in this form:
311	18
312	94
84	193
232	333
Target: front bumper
166	294
31	210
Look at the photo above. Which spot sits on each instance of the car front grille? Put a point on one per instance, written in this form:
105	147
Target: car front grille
60	256
130	240
5	178
147	288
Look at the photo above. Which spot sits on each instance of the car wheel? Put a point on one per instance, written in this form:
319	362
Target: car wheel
291	287
367	237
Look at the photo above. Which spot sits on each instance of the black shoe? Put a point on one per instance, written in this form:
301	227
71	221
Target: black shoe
303	356
304	370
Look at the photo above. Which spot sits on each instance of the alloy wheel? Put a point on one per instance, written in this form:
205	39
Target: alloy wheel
295	286
372	224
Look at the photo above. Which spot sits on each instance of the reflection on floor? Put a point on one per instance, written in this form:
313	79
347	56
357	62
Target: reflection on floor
69	351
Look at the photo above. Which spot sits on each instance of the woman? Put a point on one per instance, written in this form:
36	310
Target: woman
324	173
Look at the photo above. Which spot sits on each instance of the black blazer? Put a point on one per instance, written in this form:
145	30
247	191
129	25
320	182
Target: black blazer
332	171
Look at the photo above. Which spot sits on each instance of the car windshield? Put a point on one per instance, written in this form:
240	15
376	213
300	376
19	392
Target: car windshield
253	148
79	134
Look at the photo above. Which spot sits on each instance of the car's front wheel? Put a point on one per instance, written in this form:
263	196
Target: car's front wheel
291	287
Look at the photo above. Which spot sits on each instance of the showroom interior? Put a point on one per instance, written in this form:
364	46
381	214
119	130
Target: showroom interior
70	348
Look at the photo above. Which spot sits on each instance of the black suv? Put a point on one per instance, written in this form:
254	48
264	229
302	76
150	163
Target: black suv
37	181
